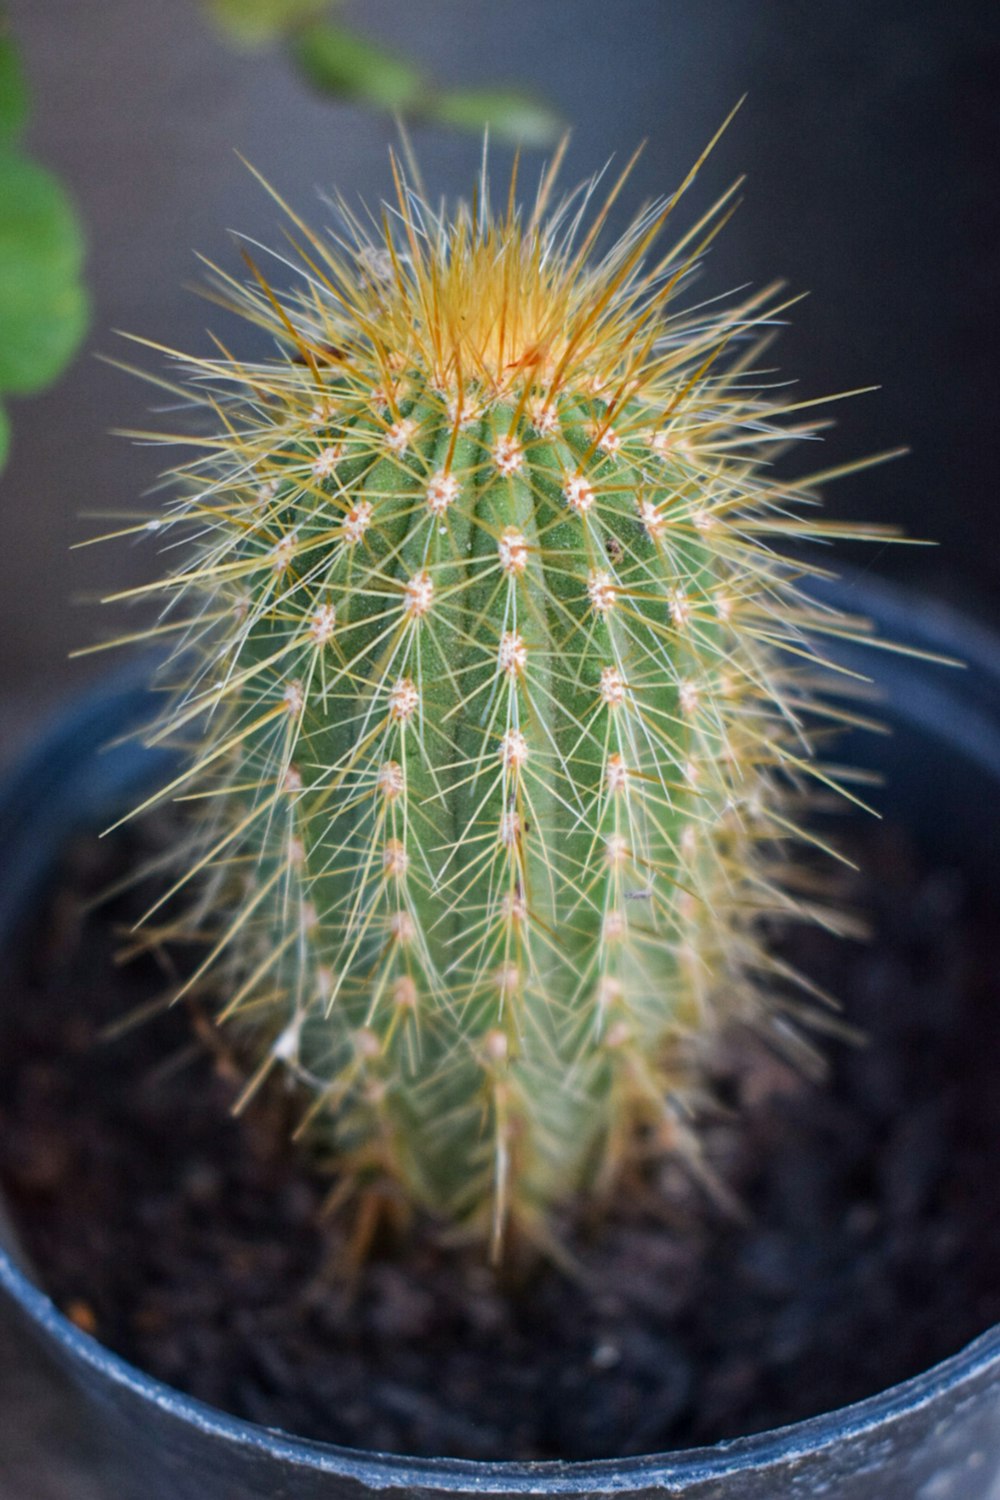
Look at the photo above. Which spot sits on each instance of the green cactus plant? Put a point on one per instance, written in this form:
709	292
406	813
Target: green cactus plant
495	691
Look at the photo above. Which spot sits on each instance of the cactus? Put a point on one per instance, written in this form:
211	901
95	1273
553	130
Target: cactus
494	688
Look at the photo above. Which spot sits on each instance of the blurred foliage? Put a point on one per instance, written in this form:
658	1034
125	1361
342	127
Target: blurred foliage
256	23
509	113
338	62
43	304
13	89
341	63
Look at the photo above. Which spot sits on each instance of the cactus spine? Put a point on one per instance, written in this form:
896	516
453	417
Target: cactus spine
500	692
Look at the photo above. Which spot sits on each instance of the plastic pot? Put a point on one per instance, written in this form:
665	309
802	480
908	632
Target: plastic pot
935	1437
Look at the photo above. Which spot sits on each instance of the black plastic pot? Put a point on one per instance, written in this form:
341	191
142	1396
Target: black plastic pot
936	1437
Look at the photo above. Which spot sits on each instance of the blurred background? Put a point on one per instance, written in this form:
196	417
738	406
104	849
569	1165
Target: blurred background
869	137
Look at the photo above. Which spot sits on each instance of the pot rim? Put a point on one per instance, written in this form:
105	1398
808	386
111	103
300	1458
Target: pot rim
937	629
387	1471
402	1472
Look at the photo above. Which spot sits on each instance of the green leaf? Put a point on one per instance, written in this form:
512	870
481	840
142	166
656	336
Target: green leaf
13	89
509	114
4	437
43	305
255	23
339	62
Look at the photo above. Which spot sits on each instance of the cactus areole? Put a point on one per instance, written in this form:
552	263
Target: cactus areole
494	688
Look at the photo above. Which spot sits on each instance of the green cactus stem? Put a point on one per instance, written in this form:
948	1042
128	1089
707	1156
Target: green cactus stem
495	687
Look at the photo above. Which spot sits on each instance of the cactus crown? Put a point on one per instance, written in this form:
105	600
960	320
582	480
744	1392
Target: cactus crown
494	691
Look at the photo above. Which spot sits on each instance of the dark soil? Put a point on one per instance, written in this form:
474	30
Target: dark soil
194	1244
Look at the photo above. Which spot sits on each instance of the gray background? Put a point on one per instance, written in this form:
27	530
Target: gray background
869	136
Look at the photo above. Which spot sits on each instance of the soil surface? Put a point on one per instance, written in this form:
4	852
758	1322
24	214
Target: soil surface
195	1244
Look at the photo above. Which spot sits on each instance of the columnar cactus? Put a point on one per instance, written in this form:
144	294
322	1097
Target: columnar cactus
494	691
